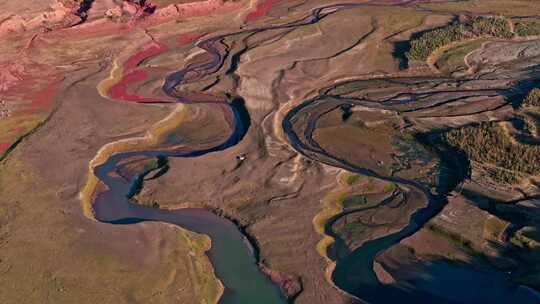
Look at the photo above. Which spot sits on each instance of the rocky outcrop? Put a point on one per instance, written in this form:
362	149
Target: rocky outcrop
290	285
60	13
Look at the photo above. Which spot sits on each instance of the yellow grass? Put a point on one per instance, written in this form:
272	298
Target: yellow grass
331	205
106	84
159	130
208	288
494	227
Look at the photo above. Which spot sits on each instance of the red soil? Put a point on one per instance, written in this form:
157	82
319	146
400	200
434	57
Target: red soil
262	9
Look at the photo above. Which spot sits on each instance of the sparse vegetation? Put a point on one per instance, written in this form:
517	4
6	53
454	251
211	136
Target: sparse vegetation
494	27
351	230
530	126
3	214
354	201
488	145
477	27
493	227
527	28
454	238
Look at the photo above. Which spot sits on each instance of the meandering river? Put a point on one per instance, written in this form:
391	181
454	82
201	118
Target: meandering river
231	254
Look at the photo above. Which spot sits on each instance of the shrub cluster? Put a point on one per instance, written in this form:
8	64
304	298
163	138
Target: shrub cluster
477	27
533	98
492	27
422	47
488	144
527	28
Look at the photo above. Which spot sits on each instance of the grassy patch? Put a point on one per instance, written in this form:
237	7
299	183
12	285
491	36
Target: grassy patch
207	287
332	205
454	58
389	187
494	227
352	179
477	27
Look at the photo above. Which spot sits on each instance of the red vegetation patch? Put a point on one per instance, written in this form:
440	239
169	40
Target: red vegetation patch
120	90
44	99
28	91
30	81
150	50
4	146
130	75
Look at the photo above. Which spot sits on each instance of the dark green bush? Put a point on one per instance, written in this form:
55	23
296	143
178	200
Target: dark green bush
527	28
422	47
488	144
477	27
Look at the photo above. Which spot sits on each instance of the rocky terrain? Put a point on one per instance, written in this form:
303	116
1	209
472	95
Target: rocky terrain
267	151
